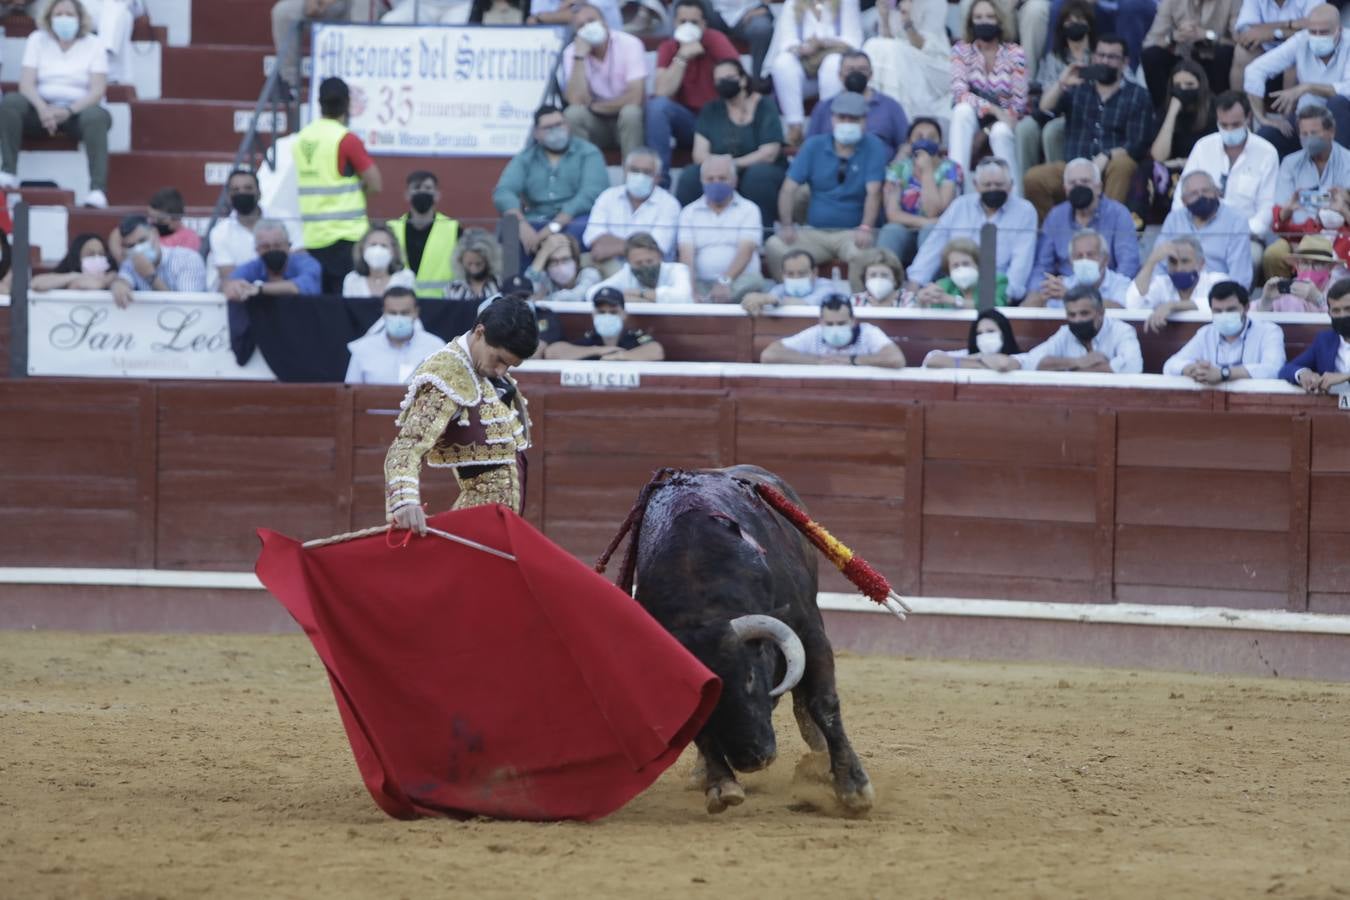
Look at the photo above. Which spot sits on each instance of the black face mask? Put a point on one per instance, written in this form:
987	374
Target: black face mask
275	260
993	199
1081	196
1187	96
987	31
1076	31
1102	74
647	276
164	229
728	87
855	82
1084	329
1342	325
244	204
422	201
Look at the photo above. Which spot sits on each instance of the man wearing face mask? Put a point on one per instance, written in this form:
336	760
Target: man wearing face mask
395	345
844	170
646	276
1320	58
604	75
275	271
609	337
1085	208
231	238
885	118
1090	266
1106	119
837	340
637	205
1326	362
1221	230
1088	342
720	235
426	236
1014	217
684	80
1233	346
1305	186
1183	285
150	267
800	286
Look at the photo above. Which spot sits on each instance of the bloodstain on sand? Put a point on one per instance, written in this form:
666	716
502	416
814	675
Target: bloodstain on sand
173	766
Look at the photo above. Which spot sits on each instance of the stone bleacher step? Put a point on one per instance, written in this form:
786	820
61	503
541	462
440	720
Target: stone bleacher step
214	71
202	125
133	177
247	22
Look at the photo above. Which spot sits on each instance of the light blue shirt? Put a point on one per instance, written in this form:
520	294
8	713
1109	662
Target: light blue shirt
1259	348
1114	287
1299	173
1311	70
1016	223
1226	239
822	290
1267	12
376	360
1117	341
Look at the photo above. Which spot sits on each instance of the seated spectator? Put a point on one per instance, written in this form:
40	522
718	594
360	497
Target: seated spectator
1233	346
646	276
275	271
912	57
604	76
844	171
377	266
498	12
1014	217
287	16
1040	137
809	41
426	237
747	21
1090	265
478	262
231	238
87	266
744	125
1263	26
62	84
1305	187
165	212
1315	266
720	235
1106	120
559	12
1187	115
885	118
959	287
1190	30
685	63
838	339
1026	23
1221	230
800	286
557	273
1184	285
552	184
989	88
427	12
1088	342
1085	208
1319	55
637	205
989	345
150	267
878	279
113	21
395	345
921	182
1245	164
609	337
1326	362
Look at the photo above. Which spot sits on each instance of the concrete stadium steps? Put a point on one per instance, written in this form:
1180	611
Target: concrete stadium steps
193	125
133	177
233	22
214	71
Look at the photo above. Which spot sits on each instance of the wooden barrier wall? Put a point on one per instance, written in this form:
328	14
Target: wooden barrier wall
1001	491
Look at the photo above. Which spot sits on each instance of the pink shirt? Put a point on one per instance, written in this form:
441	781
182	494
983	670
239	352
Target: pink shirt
625	60
184	237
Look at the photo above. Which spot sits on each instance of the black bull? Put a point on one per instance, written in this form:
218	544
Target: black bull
711	561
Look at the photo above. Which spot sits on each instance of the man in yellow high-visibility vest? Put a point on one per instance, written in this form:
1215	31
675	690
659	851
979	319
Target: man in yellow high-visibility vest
334	175
426	236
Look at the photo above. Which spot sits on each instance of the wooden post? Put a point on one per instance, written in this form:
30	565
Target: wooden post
18	294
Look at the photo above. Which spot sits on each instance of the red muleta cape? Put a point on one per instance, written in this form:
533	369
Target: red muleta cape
473	685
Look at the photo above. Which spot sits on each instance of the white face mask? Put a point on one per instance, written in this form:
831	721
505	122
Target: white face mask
880	287
607	325
65	27
378	257
837	335
1227	323
1330	218
1233	137
989	341
797	287
563	273
1086	271
964	277
593	33
639	184
398	327
687	33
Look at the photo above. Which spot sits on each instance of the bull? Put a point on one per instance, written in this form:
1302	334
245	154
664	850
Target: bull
735	583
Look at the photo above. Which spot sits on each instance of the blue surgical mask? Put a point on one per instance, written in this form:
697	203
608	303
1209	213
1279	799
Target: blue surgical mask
848	133
837	335
607	325
639	184
146	249
1322	44
1227	323
398	327
1233	137
1184	281
65	27
797	287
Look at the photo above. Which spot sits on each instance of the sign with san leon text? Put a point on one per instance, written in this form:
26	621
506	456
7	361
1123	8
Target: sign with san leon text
421	90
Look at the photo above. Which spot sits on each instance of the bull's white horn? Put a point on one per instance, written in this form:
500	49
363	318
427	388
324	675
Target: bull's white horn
752	628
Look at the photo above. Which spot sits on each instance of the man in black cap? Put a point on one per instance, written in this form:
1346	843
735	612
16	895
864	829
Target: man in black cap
610	338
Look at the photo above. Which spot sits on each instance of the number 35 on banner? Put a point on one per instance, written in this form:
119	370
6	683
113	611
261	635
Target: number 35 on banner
395	107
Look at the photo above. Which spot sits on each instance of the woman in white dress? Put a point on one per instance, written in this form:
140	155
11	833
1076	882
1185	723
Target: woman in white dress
809	40
911	59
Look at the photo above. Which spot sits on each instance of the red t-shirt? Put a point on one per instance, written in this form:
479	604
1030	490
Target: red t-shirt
352	156
697	87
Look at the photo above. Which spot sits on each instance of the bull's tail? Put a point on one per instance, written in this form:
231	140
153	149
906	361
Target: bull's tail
633	523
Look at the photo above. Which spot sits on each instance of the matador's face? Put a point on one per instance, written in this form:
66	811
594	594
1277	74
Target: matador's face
490	361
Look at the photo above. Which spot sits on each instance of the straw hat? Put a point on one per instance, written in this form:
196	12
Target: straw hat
1315	247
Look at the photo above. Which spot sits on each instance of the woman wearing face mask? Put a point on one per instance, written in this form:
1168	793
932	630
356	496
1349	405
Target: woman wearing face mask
877	277
377	266
85	267
1187	116
746	126
478	259
1316	267
64	79
557	273
989	89
808	40
911	56
991	337
960	286
1040	136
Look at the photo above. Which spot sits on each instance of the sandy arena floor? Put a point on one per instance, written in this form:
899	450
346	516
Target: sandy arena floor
167	766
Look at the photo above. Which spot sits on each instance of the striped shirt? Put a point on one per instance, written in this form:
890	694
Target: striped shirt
1005	83
1092	126
181	269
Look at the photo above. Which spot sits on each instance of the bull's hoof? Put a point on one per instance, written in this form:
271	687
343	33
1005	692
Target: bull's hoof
859	800
698	775
813	767
720	796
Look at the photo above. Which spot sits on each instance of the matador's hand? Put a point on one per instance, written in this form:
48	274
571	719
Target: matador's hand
411	517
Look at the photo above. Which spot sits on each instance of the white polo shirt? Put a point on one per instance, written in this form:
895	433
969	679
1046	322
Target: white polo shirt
613	213
1247	184
716	236
871	340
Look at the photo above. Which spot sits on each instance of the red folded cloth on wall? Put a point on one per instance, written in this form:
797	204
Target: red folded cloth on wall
472	685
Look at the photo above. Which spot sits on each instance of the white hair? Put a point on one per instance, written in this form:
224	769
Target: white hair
1079	163
1084	234
1193	242
993	162
642	153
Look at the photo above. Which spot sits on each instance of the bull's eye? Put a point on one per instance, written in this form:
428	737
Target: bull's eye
750	681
